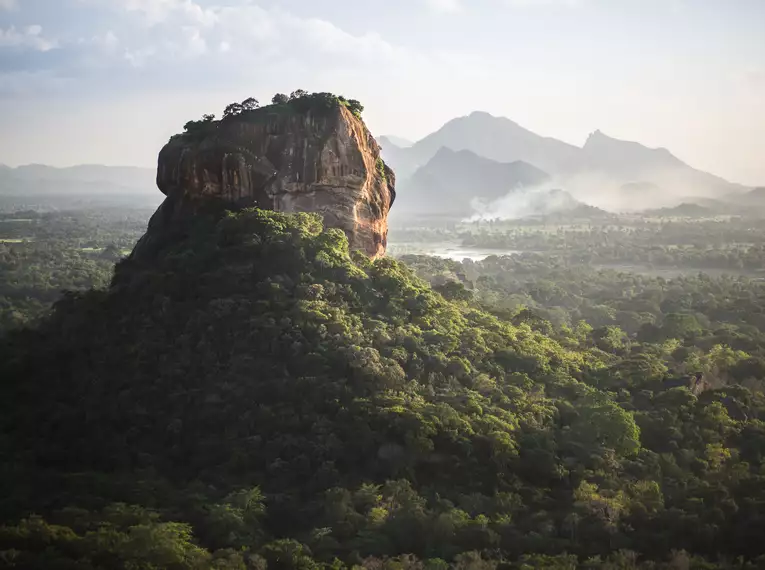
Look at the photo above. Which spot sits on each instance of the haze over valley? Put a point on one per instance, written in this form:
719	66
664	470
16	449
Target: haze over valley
497	162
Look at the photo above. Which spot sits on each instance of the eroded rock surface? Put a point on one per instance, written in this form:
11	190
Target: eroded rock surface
279	159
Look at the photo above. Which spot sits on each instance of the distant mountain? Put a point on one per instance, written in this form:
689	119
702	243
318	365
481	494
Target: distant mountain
402	160
609	168
684	210
755	197
452	181
631	162
751	203
496	138
630	159
400	142
36	179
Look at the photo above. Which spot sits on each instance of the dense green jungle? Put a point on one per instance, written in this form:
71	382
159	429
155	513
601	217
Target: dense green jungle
258	396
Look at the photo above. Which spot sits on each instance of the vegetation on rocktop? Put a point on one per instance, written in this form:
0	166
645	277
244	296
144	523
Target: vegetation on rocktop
298	101
257	397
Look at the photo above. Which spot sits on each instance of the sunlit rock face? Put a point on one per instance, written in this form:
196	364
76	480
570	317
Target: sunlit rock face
279	159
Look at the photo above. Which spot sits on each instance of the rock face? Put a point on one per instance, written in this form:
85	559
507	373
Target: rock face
279	159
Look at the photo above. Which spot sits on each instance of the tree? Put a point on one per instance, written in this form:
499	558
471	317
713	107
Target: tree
610	338
603	422
297	94
681	325
355	107
288	554
250	104
199	126
454	291
232	110
280	99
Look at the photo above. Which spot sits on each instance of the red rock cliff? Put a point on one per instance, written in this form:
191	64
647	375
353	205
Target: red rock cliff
280	159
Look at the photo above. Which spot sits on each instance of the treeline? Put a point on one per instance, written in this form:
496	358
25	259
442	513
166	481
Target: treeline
299	101
734	245
44	254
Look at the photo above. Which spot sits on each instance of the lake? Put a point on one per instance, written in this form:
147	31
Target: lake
447	250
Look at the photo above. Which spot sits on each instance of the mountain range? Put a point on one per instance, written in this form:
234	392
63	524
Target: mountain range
39	179
604	172
400	142
455	173
478	157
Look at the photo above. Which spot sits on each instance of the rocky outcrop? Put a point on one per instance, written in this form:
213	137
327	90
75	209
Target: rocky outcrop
282	159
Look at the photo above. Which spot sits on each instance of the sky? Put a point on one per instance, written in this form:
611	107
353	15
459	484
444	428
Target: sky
108	81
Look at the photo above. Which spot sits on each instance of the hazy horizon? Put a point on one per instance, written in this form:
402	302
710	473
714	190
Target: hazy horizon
107	82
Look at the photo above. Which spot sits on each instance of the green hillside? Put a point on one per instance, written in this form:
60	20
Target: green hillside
256	397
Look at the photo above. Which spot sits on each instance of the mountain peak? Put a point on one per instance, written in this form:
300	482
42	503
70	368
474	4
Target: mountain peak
393	140
608	148
496	138
616	161
488	118
445	152
598	137
482	114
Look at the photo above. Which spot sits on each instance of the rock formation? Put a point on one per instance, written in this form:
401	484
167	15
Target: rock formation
286	158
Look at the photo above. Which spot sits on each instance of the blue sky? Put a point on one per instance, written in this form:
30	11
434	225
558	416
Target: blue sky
108	81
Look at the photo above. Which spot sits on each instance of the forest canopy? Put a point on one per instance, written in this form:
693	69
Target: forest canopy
260	397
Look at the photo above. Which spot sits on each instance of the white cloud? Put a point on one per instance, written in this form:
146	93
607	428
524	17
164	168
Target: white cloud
29	38
159	11
444	6
8	4
452	6
106	42
138	57
193	43
227	41
535	3
183	29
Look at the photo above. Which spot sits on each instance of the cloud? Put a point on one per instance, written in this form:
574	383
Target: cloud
444	6
170	44
183	30
138	57
107	41
157	11
536	3
8	4
452	6
29	38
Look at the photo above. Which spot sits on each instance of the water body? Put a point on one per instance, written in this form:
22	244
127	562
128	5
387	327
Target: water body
452	251
460	253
